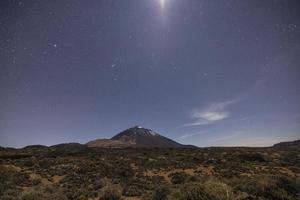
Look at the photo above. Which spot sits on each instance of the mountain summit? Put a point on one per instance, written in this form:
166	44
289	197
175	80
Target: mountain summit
137	137
142	137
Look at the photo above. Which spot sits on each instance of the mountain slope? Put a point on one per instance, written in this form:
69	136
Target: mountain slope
292	144
137	137
141	137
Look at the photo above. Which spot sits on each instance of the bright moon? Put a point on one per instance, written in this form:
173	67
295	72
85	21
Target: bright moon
162	3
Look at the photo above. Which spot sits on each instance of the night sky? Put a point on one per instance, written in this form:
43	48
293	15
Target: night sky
208	73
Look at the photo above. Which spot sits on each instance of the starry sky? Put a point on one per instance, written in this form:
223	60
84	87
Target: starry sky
202	72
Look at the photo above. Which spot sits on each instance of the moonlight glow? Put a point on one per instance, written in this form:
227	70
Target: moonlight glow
162	3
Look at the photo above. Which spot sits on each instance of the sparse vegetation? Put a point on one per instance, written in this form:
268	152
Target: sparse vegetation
154	174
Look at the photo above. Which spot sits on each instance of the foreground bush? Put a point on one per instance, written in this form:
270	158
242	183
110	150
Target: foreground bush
271	187
131	191
160	193
33	196
194	193
178	177
218	190
110	193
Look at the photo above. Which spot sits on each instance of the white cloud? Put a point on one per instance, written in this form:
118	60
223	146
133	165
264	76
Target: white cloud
212	116
214	113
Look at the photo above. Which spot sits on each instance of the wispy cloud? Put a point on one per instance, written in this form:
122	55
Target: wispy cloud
214	113
188	135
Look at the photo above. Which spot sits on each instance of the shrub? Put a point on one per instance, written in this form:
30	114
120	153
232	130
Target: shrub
271	187
110	193
123	172
4	183
45	163
28	162
276	193
33	196
194	193
178	177
291	186
160	193
131	191
218	190
252	157
10	194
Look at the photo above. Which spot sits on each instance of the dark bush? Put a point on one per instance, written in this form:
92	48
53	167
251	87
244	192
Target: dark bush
252	157
9	194
195	193
161	193
131	191
271	187
276	193
110	193
290	186
178	177
33	196
28	162
123	172
45	163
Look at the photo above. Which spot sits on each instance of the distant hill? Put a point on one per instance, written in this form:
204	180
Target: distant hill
107	143
137	137
70	147
34	147
292	144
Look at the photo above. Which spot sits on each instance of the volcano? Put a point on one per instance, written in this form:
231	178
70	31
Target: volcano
137	136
